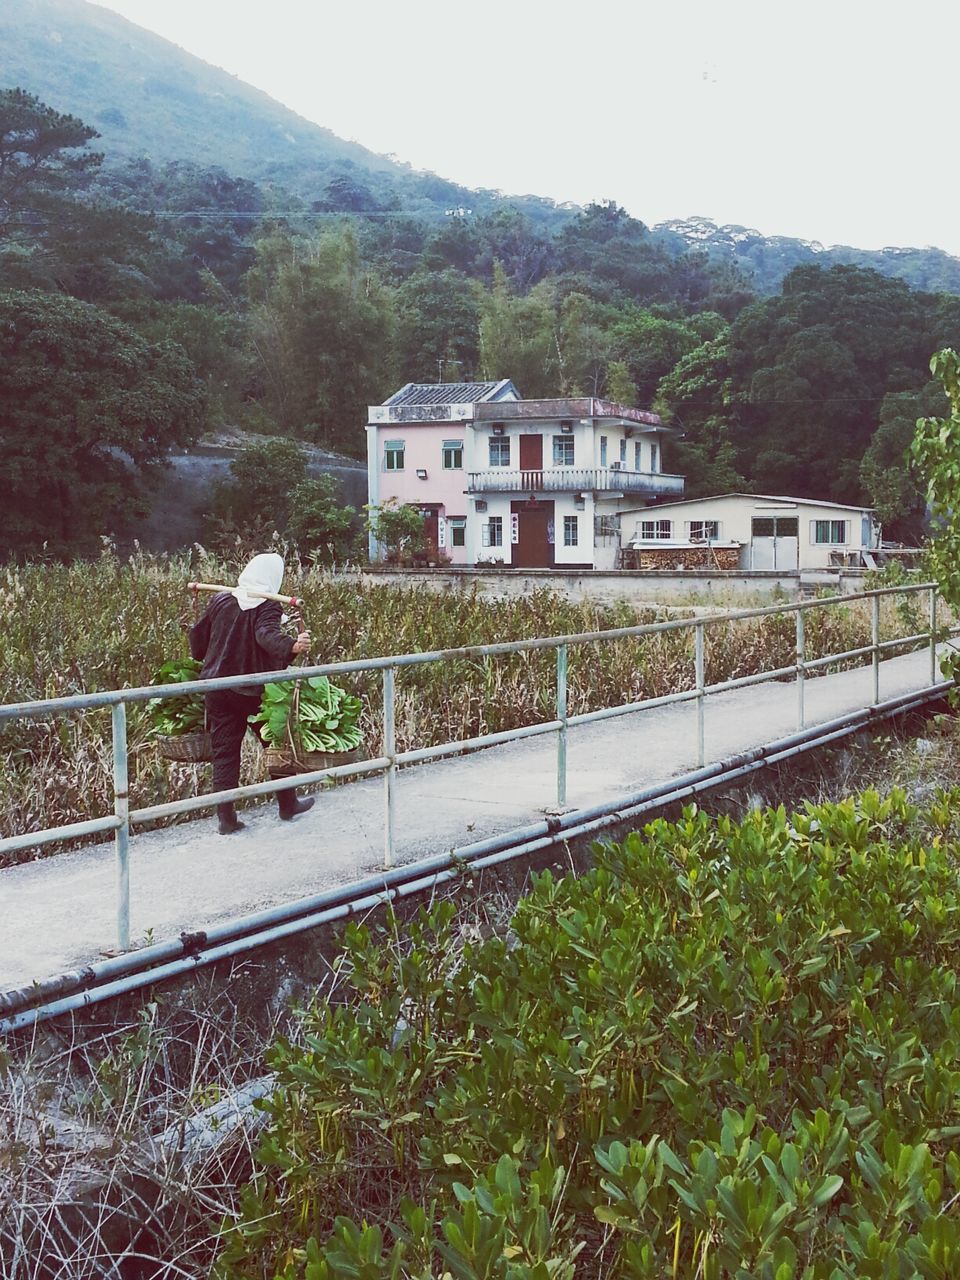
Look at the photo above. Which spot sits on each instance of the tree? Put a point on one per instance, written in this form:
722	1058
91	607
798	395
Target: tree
936	449
437	322
398	528
269	491
620	386
890	482
41	154
518	338
50	239
650	347
320	526
321	328
86	405
695	398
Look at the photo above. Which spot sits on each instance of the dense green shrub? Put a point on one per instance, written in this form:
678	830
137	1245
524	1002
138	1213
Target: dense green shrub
727	1051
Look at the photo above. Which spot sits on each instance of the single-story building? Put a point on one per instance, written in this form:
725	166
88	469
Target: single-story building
750	531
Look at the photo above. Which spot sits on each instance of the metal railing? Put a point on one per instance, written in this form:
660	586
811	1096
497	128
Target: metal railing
388	764
573	480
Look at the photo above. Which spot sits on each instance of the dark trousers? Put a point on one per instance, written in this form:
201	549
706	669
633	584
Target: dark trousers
227	713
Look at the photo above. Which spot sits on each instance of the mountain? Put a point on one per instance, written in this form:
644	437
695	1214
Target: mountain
148	97
765	260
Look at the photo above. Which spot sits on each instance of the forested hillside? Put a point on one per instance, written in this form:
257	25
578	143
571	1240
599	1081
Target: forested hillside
146	297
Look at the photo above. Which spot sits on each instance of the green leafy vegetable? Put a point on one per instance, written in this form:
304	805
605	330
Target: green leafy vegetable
327	719
172	716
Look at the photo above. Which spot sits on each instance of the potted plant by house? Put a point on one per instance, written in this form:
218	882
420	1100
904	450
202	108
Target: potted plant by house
178	723
308	724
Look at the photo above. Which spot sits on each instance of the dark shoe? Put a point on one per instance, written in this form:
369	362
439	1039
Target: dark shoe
290	806
227	820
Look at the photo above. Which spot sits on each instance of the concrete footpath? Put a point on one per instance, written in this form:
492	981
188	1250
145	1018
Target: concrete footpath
59	912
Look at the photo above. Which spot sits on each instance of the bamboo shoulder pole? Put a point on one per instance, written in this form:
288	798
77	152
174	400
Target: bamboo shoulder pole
262	595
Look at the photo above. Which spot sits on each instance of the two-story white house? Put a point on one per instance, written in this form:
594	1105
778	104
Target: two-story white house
523	483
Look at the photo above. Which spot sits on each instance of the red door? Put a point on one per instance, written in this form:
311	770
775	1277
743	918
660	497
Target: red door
534	549
431	531
531	463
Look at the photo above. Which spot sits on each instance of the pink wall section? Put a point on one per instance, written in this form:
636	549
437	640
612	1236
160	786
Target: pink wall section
423	446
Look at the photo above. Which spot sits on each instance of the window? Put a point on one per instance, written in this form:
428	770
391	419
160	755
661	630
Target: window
775	527
650	530
458	530
393	455
453	455
571	525
493	532
623	449
499	451
831	531
654	456
563	451
637	456
603	451
704	530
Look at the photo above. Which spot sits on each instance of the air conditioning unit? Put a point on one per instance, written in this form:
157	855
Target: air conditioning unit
480	504
566	428
498	428
616	466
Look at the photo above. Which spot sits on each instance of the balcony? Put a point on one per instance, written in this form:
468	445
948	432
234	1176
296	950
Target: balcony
575	480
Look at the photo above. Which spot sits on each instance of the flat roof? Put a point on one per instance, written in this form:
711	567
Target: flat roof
564	407
757	497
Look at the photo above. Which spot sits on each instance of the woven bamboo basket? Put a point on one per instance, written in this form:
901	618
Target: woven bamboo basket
291	757
284	760
191	748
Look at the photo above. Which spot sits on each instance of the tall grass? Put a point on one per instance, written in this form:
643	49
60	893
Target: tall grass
110	623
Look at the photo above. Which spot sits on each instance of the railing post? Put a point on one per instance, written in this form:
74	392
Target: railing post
699	666
933	635
562	731
121	807
875	641
801	670
390	773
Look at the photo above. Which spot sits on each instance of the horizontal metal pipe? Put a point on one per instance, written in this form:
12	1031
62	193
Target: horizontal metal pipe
104	971
110	698
922	637
254	789
610	713
73	831
813	664
758	677
568	826
475	744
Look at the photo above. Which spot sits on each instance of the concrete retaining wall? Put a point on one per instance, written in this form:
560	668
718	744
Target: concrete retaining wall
732	589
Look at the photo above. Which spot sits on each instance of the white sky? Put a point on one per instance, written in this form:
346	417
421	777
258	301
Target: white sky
834	121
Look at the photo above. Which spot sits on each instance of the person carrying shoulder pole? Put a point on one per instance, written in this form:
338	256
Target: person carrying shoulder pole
239	634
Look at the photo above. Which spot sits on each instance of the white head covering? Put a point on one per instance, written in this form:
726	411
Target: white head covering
263	573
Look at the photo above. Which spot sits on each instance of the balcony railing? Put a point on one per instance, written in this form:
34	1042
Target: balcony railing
573	480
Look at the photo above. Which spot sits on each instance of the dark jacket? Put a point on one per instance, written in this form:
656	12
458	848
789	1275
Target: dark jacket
233	642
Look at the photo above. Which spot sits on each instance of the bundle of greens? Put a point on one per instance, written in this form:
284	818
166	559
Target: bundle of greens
171	717
327	716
